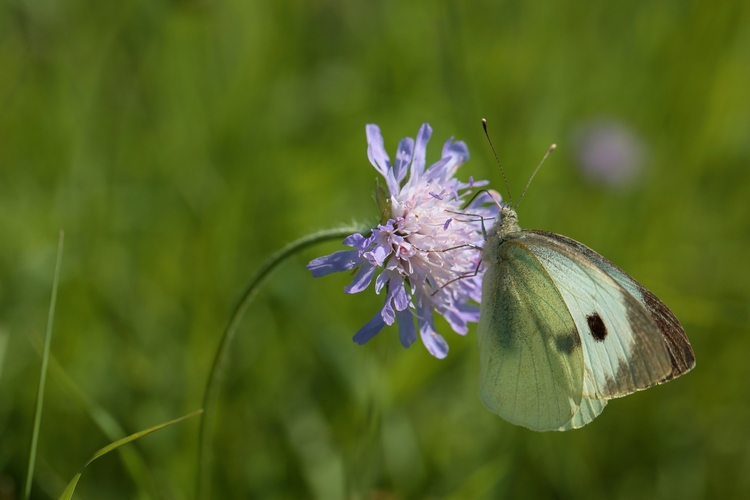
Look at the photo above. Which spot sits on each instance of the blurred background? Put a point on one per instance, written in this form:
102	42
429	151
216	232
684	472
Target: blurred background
180	143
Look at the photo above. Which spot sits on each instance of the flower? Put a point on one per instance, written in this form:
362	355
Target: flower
610	153
426	248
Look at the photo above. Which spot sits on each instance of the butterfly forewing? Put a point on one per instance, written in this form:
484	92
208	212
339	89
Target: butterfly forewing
681	355
531	360
678	346
624	345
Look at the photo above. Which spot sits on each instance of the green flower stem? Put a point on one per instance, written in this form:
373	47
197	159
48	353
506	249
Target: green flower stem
211	394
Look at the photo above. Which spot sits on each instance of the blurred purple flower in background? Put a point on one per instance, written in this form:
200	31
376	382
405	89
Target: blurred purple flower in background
424	249
610	153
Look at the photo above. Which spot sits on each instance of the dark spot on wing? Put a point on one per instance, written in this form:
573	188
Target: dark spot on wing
596	327
568	343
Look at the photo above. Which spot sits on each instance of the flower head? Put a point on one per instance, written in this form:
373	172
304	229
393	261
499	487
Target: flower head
425	249
610	153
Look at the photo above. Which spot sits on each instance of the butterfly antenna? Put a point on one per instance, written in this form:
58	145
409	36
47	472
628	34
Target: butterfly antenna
507	187
551	148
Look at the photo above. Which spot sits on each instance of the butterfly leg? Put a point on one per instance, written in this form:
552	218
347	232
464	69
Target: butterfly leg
460	277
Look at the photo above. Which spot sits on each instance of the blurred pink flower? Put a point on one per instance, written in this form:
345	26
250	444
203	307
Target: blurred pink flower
610	153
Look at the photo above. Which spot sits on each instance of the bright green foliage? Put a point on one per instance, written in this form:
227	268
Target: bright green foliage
180	143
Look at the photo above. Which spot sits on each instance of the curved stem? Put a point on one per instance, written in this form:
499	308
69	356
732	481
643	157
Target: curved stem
211	394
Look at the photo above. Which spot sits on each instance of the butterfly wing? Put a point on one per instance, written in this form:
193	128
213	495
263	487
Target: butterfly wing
531	361
678	346
630	339
589	409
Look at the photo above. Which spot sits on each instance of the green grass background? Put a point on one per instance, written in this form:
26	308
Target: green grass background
180	143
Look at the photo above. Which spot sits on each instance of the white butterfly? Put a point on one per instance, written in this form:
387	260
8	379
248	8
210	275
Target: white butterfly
563	330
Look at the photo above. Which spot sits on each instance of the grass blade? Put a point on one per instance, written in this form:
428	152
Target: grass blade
111	428
106	423
68	493
43	374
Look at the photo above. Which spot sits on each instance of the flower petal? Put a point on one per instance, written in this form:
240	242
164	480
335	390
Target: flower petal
403	157
376	151
342	260
388	314
454	155
398	291
393	184
368	331
420	153
436	172
489	197
458	150
362	279
407	332
355	240
432	340
470	185
378	254
381	281
458	316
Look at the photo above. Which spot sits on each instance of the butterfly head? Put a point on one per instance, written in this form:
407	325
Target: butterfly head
507	223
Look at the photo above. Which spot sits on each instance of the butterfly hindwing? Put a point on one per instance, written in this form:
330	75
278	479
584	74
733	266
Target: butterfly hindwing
589	409
625	343
531	358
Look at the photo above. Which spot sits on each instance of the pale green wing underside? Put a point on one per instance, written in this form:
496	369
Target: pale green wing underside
633	356
589	410
530	355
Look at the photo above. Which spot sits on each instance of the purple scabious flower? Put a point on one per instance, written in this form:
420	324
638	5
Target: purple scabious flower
424	253
610	153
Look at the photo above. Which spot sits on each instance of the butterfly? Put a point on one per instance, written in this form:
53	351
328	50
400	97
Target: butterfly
562	330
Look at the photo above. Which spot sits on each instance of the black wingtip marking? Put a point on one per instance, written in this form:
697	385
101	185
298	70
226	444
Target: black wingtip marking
596	327
680	351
